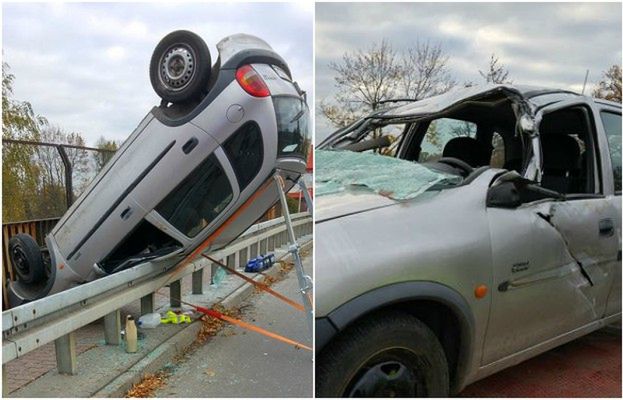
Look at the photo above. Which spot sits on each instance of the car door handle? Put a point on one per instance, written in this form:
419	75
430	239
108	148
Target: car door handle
190	145
606	227
126	213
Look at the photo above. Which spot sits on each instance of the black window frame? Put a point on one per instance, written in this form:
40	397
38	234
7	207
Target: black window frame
237	171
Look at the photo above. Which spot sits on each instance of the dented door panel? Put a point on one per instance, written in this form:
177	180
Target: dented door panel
539	291
584	225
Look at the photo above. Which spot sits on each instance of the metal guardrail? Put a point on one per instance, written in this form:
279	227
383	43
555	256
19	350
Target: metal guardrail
55	318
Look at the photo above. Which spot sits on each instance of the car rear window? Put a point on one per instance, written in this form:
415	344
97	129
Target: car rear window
199	199
292	126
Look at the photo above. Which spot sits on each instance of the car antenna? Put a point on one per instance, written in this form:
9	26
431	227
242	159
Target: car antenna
585	79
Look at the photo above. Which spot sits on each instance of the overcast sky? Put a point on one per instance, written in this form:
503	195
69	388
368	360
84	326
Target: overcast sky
86	66
540	44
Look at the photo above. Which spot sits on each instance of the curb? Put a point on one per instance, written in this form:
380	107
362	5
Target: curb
164	353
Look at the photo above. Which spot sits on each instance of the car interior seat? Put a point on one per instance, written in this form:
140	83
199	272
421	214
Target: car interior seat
561	162
467	149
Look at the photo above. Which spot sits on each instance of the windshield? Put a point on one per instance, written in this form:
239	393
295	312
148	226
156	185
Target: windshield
340	170
292	126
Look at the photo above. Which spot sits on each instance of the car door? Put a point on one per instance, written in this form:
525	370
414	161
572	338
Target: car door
552	263
609	122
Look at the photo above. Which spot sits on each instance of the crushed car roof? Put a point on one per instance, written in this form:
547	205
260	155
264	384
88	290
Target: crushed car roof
438	103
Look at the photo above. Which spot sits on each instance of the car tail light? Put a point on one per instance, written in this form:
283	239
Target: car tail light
251	81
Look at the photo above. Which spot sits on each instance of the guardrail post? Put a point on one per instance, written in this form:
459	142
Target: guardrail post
175	292
231	261
271	243
5	383
253	250
65	347
198	281
147	304
243	257
112	327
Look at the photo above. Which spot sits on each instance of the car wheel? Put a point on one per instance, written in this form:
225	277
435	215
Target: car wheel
385	355
180	67
26	258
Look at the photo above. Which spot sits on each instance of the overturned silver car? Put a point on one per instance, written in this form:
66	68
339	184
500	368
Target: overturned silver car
196	171
462	234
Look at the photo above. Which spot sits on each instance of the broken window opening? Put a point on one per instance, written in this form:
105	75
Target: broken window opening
145	242
474	133
570	164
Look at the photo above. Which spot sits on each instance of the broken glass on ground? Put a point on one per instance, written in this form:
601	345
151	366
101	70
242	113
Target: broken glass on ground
388	176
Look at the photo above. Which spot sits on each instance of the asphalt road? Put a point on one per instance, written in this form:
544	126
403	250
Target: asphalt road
238	363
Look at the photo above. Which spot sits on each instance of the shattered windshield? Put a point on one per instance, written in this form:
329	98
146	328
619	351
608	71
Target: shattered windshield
398	179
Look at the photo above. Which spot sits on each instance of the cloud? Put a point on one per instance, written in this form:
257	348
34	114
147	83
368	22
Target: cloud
85	66
544	44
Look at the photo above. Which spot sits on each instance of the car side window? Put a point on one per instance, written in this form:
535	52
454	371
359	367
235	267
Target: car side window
198	199
612	126
440	132
568	150
245	151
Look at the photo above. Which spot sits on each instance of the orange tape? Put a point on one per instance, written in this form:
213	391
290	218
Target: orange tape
264	332
218	315
259	285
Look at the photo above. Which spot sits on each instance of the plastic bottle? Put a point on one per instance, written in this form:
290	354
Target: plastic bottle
131	339
149	321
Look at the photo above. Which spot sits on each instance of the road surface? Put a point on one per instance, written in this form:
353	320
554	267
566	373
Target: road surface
238	363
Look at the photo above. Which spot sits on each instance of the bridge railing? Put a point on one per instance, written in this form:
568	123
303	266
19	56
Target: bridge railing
57	317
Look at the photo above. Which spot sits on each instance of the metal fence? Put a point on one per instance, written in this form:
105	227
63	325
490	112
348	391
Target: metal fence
57	317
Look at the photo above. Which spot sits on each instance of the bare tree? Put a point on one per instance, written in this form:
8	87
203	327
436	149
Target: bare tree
101	158
496	72
425	72
50	201
609	88
363	79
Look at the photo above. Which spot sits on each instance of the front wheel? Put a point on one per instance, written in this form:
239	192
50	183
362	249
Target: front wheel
386	355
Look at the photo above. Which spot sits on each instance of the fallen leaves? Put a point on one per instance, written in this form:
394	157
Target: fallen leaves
148	386
211	326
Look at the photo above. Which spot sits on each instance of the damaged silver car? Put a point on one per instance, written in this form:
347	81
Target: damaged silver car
195	174
462	234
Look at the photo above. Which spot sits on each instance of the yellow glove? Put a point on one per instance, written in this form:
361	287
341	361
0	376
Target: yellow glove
171	318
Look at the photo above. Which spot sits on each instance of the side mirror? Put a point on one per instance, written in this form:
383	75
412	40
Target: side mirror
512	191
504	195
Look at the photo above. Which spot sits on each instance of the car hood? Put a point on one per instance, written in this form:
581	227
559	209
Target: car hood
347	203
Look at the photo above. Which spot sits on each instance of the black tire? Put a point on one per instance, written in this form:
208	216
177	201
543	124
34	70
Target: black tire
26	259
180	67
385	355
